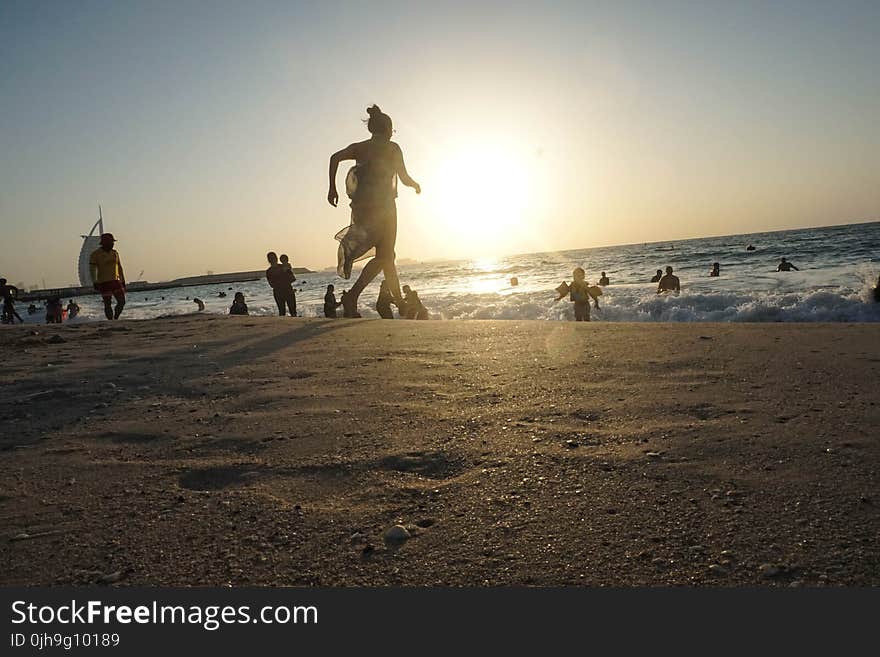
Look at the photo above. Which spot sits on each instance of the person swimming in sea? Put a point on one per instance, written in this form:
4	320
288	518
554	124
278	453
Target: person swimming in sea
72	309
372	186
669	283
238	307
785	265
201	304
603	280
580	294
657	276
384	301
716	270
330	303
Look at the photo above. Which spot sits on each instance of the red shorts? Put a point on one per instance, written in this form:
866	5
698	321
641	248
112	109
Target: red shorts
111	289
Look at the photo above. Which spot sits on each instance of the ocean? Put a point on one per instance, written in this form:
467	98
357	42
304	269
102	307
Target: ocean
838	269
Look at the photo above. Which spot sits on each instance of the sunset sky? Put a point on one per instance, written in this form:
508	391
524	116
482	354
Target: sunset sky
204	128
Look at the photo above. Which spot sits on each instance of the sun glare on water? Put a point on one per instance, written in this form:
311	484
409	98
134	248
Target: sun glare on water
482	194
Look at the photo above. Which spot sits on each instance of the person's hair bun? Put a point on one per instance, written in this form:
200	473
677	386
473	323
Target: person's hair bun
374	110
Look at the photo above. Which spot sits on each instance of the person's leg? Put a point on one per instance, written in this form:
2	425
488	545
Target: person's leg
108	306
368	273
293	304
385	250
279	301
120	303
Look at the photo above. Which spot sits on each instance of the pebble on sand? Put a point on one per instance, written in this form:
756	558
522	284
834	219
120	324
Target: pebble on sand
769	570
397	534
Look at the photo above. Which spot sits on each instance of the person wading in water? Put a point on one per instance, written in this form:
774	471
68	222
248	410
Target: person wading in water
372	186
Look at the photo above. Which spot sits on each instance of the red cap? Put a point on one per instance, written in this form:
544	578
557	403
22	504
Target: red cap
107	237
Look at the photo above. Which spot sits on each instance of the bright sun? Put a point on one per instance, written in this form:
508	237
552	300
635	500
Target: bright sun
481	194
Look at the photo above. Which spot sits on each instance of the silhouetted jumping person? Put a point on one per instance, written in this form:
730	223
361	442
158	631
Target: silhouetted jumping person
372	186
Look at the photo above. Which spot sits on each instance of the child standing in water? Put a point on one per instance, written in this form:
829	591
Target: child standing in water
580	294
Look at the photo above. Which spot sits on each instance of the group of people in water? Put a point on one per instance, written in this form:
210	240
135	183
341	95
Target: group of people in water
56	313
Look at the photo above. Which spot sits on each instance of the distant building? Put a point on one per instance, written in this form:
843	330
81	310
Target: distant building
90	242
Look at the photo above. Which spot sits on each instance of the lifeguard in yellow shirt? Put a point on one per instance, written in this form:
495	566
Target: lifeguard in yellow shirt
107	276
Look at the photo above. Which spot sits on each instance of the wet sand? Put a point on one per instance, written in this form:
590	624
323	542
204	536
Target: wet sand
276	451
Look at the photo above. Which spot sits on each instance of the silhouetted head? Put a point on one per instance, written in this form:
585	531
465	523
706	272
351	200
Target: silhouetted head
406	289
107	241
330	288
669	270
603	273
660	271
579	274
379	123
239	296
2	281
783	260
284	258
272	257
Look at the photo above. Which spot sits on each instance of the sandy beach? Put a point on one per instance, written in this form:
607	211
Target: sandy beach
275	451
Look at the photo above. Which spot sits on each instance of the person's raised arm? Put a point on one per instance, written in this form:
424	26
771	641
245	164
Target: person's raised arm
403	174
795	268
347	153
